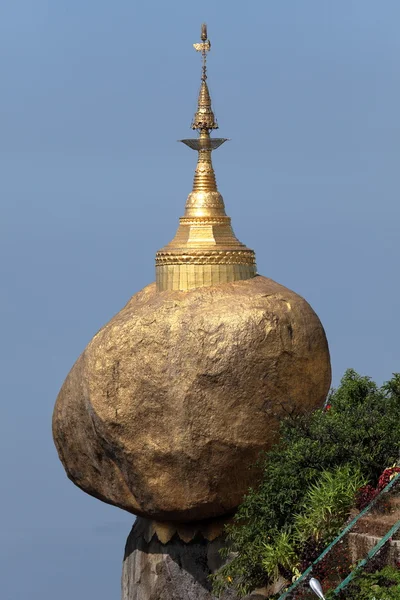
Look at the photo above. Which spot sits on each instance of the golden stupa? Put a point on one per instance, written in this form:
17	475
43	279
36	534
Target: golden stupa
204	251
173	400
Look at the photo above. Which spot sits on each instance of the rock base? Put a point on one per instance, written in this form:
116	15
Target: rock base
176	570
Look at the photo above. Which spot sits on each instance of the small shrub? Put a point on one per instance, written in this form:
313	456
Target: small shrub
381	585
326	504
281	557
365	495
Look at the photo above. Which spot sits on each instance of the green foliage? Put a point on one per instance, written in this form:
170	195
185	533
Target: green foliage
279	555
381	585
323	511
361	430
327	504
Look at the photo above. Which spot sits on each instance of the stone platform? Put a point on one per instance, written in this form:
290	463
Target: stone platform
174	570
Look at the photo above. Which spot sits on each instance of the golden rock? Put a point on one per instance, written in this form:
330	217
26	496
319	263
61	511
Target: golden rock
173	400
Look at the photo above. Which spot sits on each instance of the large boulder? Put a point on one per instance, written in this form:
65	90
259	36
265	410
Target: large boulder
172	401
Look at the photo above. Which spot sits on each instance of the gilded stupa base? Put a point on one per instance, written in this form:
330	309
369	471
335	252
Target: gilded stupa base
188	277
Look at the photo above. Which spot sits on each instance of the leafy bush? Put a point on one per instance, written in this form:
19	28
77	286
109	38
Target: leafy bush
280	556
327	504
365	495
361	429
325	507
382	585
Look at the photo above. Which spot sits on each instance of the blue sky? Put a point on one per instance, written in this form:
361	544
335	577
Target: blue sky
93	97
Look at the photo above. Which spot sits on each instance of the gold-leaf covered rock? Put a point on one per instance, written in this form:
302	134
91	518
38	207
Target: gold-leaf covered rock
172	401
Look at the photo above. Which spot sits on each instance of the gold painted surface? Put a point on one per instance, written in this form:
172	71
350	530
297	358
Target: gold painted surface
205	250
172	401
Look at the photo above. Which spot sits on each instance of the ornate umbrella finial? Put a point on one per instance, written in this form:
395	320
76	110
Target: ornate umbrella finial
204	117
204	47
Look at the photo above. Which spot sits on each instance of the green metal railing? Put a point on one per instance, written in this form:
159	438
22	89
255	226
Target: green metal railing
370	555
347	529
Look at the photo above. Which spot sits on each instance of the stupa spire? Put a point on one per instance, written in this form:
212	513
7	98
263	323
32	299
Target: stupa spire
204	119
204	251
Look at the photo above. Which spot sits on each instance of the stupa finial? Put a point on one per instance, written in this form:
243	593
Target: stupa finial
204	118
204	251
204	47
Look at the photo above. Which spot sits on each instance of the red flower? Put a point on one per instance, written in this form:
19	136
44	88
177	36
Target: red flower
386	476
